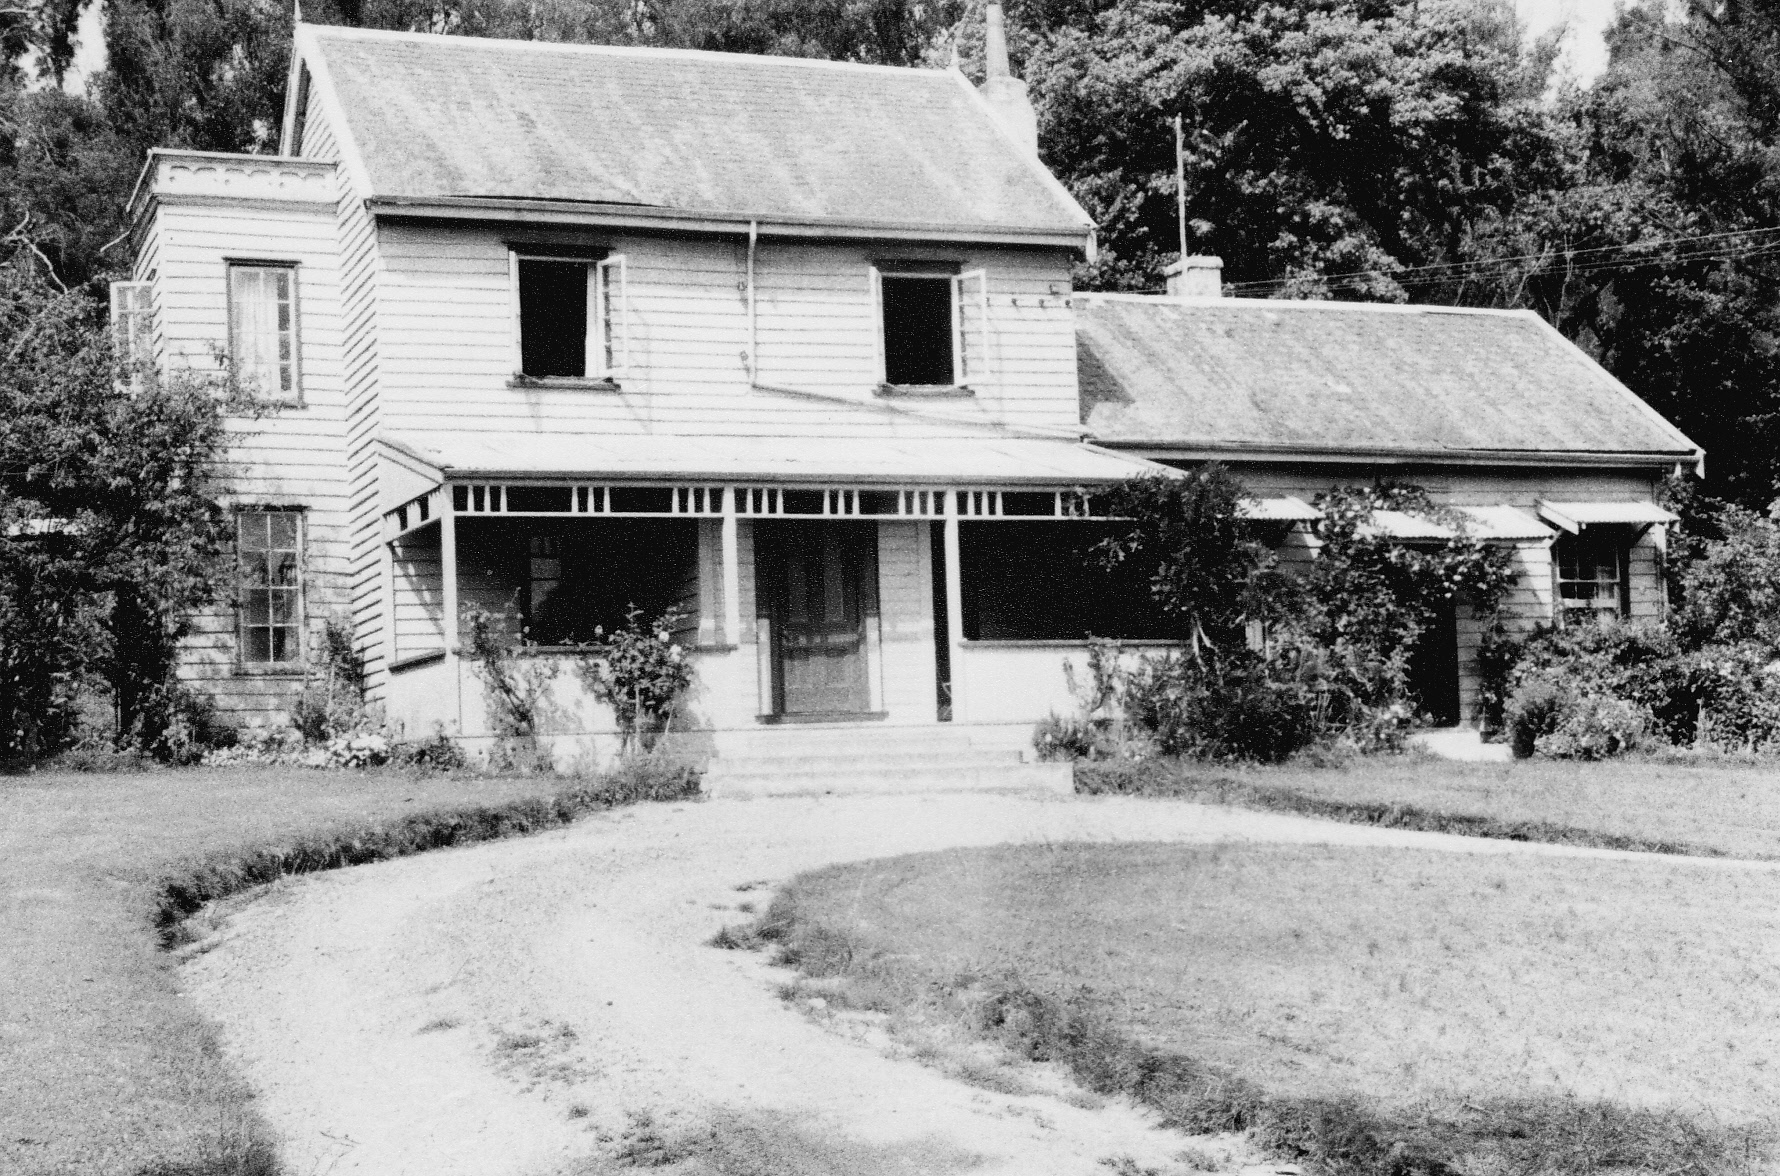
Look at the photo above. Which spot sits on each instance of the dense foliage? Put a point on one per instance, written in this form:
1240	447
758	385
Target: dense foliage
1271	662
1710	677
111	533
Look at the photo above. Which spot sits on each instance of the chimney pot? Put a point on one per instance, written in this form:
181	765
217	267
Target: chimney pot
1195	276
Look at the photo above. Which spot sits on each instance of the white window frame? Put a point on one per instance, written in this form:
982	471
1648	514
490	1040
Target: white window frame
293	398
301	608
1597	605
132	330
606	342
966	372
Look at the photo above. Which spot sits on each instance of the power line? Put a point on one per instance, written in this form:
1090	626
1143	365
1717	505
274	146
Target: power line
1461	270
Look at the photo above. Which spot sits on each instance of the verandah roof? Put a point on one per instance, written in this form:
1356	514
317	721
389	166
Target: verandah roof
959	461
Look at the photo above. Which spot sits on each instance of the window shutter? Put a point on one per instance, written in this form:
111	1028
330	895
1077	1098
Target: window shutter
875	279
132	328
970	310
614	316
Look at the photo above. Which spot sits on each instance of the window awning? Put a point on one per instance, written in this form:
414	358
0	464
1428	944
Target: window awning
1280	510
1504	524
1499	524
881	460
1402	525
1573	516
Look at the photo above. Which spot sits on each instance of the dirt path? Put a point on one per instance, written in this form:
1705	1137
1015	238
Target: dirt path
542	1006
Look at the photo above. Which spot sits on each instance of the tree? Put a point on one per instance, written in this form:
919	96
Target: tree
109	502
1324	139
1204	563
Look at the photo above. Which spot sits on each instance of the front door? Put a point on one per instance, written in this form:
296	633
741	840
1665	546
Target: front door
820	634
1434	668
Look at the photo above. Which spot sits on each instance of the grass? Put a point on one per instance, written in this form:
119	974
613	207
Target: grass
1368	1011
1678	807
108	1071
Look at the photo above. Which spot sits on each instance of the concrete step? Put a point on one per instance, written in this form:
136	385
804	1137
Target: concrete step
856	741
862	779
788	760
1461	743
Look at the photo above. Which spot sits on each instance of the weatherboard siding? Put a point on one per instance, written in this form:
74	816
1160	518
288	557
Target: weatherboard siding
291	456
446	337
371	568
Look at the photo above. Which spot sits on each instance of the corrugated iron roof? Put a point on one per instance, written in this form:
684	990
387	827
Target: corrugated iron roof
986	461
441	118
1505	523
1279	510
1573	516
1252	374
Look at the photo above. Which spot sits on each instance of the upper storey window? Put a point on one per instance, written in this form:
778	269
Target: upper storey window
132	330
263	330
573	317
932	326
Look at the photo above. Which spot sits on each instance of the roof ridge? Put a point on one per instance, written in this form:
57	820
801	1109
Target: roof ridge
351	33
1323	304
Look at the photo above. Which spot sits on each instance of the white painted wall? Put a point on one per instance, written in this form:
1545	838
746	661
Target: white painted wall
209	213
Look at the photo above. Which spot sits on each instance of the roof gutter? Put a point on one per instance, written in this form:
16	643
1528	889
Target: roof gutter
1228	450
646	217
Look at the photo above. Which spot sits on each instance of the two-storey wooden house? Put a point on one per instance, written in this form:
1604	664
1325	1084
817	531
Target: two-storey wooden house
557	329
786	346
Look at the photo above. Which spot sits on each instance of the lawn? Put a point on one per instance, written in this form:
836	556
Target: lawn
107	1069
1498	1014
1716	808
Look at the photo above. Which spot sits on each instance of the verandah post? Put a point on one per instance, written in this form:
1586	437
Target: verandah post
732	573
954	606
450	623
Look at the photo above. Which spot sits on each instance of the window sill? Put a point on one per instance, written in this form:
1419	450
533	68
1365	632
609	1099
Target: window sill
271	670
576	383
927	391
415	660
1067	643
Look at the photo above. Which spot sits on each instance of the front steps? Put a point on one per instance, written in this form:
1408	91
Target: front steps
864	758
1461	743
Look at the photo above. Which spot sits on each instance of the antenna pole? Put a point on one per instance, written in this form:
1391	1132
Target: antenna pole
1180	185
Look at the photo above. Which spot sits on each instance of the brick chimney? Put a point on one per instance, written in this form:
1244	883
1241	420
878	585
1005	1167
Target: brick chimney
1198	276
1006	94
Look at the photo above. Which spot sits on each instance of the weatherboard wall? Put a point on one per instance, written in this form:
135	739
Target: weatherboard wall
210	212
446	336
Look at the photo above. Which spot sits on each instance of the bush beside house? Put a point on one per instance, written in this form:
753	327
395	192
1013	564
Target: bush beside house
1273	665
1270	663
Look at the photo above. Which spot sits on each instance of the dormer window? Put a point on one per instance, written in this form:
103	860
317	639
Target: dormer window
932	327
571	317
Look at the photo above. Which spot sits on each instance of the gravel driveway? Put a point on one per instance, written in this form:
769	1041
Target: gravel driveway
547	1005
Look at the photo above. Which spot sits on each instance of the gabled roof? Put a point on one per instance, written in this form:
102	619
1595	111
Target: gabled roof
1321	378
440	120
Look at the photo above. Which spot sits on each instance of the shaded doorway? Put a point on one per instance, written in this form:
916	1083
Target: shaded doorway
819	580
1434	668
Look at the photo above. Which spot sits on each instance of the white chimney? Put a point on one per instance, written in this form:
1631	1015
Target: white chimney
1199	276
1006	93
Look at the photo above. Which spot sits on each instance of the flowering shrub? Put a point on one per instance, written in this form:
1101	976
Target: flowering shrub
1058	738
364	750
640	671
1595	726
259	745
